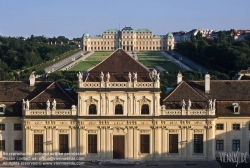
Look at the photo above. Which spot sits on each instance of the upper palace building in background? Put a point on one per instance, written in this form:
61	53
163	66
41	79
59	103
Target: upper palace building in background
127	39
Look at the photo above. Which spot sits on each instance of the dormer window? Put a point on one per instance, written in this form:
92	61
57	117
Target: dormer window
2	108
236	108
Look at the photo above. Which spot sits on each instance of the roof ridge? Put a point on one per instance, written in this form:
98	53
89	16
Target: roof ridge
64	92
101	61
196	91
173	90
42	91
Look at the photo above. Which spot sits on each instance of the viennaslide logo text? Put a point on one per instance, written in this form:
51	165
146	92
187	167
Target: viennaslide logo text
233	157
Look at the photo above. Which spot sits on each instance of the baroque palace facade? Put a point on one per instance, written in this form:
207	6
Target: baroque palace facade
127	39
117	114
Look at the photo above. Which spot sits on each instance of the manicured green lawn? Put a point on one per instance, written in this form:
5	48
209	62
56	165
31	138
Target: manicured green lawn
155	58
98	56
84	65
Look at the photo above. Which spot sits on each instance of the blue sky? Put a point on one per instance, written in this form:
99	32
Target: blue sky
71	18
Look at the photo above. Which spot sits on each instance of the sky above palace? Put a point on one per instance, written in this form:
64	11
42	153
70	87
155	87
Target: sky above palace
72	18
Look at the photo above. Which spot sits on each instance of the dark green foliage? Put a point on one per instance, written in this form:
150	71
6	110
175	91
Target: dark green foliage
17	54
221	54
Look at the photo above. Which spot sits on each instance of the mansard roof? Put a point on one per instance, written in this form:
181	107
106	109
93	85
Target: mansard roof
226	92
12	93
119	64
224	89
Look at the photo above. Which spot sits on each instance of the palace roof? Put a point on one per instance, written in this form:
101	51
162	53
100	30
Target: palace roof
12	93
119	64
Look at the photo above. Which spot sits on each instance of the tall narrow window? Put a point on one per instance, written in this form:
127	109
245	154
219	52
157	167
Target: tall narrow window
17	145
38	143
92	109
2	126
92	143
64	143
145	142
198	143
173	143
236	145
219	145
118	109
2	145
145	109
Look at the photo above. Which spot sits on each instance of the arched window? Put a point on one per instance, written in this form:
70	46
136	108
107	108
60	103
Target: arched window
92	109
118	109
144	109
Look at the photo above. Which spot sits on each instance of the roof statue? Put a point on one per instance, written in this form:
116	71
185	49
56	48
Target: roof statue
135	76
54	105
214	104
48	105
108	77
102	75
157	77
210	104
23	104
129	77
27	105
189	104
79	76
154	74
183	104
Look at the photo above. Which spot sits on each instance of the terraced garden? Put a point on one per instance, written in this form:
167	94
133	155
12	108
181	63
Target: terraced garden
155	58
91	61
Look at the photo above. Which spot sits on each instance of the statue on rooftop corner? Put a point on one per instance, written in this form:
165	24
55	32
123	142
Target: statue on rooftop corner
48	105
189	104
157	77
79	76
108	77
129	77
102	75
23	104
27	104
183	104
210	104
135	76
214	104
54	104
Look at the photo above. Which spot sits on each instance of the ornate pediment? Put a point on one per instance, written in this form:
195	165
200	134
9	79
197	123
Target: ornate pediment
92	101
144	100
117	100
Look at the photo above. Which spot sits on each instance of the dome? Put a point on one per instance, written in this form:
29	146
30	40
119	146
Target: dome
86	35
170	35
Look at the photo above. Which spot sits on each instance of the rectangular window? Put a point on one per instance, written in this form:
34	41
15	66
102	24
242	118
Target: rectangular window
2	126
198	143
92	143
219	144
145	142
17	126
236	145
18	145
64	143
173	143
2	145
219	126
236	126
38	143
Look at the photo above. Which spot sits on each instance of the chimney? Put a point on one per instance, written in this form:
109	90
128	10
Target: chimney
179	78
207	83
32	79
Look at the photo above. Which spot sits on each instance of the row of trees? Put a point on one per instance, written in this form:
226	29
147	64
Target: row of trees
17	54
222	53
